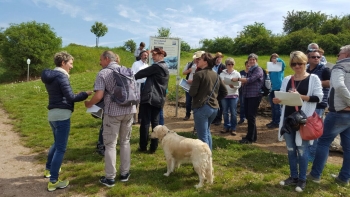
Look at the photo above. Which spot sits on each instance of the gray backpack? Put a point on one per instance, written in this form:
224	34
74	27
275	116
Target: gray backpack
125	91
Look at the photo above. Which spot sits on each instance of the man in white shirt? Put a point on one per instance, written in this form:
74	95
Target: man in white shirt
136	67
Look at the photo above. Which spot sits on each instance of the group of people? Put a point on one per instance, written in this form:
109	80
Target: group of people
117	119
317	86
213	87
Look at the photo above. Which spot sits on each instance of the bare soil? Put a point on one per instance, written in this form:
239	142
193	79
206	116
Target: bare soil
22	175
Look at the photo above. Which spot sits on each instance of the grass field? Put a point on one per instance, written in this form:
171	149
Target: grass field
240	170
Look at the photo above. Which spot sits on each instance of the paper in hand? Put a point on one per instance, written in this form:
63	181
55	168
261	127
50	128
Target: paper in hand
227	81
289	99
271	67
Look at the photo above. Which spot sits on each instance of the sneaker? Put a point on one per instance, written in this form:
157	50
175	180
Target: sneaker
47	173
224	130
233	132
240	121
124	178
312	178
300	186
107	182
341	182
245	141
58	185
186	118
289	181
272	126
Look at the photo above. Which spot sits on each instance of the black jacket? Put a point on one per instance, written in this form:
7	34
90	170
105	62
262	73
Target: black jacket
60	92
154	90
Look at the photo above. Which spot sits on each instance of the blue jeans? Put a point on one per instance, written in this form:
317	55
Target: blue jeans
241	107
275	109
60	130
188	104
334	124
203	117
229	105
313	147
297	155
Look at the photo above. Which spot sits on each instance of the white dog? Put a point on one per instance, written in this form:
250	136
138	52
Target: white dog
178	150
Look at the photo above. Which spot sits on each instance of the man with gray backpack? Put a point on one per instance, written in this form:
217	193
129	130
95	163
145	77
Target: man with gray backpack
118	114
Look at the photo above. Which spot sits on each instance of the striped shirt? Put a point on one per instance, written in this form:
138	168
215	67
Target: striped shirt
105	81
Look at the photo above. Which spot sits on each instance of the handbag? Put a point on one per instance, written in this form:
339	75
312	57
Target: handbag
313	128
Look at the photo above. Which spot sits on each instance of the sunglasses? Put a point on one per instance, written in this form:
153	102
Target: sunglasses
314	57
294	64
229	64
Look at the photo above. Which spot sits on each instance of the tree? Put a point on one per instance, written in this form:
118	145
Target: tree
298	20
253	39
36	41
163	32
185	46
99	29
130	45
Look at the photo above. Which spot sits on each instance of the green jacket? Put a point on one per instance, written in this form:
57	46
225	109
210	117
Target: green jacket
202	85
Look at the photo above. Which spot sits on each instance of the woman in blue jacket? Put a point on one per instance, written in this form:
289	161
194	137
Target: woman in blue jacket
61	106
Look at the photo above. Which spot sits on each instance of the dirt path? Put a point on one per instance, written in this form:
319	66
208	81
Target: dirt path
21	175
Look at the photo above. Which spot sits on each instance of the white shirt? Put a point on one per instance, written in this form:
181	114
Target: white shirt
136	67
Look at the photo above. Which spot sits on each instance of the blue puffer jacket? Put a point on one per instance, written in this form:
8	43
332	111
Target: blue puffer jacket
60	92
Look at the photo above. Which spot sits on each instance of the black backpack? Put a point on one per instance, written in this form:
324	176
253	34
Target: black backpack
265	89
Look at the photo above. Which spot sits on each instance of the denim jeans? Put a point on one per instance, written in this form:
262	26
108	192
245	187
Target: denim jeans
297	155
334	124
229	105
275	109
100	137
313	147
60	130
203	117
188	104
241	107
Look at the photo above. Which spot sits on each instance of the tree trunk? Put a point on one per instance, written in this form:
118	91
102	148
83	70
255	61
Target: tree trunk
96	41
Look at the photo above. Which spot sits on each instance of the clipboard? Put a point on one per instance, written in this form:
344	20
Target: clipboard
289	99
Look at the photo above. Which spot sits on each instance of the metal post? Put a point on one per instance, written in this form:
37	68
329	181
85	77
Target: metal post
28	62
28	73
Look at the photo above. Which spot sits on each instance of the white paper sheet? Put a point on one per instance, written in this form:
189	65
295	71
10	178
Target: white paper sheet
271	67
184	85
290	99
94	108
227	81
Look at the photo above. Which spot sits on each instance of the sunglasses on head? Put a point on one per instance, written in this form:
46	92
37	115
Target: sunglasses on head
294	64
314	57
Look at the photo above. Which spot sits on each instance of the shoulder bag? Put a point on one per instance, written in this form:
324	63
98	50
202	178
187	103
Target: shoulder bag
313	128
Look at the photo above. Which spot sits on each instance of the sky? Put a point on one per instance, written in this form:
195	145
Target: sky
190	20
